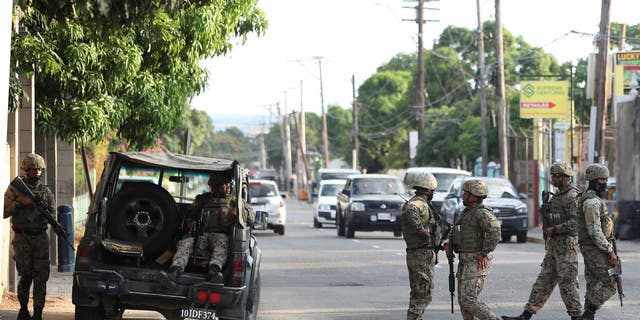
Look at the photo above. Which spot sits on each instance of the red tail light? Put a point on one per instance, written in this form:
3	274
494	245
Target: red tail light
202	296
82	262
210	297
214	298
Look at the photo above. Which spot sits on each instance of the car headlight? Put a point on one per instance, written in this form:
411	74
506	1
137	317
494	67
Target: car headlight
324	207
357	206
522	208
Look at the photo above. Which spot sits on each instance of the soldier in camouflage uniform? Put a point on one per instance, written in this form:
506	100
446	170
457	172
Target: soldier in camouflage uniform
595	236
422	235
560	263
216	211
475	235
30	241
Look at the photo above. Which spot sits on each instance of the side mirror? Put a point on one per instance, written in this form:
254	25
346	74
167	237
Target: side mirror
523	195
283	195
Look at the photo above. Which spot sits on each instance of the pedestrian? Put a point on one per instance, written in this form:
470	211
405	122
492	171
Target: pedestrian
560	263
212	214
474	237
422	235
595	236
30	240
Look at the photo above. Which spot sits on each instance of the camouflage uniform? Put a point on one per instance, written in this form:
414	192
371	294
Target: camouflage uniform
417	216
30	242
560	263
477	231
217	221
595	235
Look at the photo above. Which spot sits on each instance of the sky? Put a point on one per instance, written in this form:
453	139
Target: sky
352	38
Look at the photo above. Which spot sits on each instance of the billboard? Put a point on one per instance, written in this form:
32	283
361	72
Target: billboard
544	99
627	72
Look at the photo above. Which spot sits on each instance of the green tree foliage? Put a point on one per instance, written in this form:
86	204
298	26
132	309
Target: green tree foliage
340	131
128	66
632	36
200	129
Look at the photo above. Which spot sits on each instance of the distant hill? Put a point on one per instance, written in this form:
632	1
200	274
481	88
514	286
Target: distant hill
249	124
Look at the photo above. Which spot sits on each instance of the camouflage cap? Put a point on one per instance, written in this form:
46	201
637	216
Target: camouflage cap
561	167
476	187
32	161
425	180
596	171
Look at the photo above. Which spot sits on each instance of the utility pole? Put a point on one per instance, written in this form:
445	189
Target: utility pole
263	150
285	134
503	113
483	97
325	136
354	114
601	90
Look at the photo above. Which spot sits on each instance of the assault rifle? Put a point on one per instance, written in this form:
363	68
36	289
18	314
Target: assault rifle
616	273
446	231
42	207
544	212
452	274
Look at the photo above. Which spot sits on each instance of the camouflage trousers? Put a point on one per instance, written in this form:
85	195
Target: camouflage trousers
217	243
559	266
420	263
470	283
31	254
600	287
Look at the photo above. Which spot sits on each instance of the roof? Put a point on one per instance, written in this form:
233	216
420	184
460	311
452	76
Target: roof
437	170
339	170
372	176
333	181
177	161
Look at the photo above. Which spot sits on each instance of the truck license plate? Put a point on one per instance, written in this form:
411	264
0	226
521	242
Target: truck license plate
200	314
384	216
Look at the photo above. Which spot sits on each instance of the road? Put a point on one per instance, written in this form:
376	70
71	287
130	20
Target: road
313	274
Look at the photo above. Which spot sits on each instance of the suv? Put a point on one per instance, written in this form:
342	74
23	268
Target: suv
503	198
325	207
370	202
444	176
130	235
266	198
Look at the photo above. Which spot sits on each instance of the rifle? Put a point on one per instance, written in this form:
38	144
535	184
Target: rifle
452	279
43	208
616	273
445	235
543	212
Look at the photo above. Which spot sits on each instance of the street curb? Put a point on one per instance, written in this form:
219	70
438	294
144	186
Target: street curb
535	240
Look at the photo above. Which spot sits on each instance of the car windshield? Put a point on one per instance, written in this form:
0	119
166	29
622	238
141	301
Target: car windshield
262	190
336	175
330	189
183	185
501	189
444	180
377	186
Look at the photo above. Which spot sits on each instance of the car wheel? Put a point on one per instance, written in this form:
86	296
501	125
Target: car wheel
281	230
350	232
93	313
522	237
506	237
315	223
397	233
340	225
144	213
253	300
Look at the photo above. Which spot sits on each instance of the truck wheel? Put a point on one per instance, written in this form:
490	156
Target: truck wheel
281	230
522	237
145	213
506	237
340	225
93	313
350	231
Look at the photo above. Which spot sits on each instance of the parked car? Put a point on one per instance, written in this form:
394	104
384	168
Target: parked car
444	176
503	198
325	207
370	202
266	197
130	235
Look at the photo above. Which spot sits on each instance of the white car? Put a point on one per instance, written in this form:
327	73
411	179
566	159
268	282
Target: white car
266	197
325	208
444	176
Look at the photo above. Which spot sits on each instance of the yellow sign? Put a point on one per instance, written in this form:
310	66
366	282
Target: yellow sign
544	99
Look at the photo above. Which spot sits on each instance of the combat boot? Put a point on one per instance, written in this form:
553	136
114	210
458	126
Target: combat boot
23	314
37	313
589	313
214	274
526	315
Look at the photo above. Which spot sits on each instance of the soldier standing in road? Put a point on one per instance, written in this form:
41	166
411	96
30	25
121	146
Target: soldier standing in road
560	263
30	241
421	233
595	236
475	235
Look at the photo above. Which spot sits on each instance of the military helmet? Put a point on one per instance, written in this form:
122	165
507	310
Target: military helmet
561	167
424	180
32	161
596	171
476	187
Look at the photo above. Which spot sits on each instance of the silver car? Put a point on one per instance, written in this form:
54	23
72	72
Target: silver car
266	197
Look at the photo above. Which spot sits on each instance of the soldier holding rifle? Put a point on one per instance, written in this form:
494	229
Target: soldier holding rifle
560	263
30	241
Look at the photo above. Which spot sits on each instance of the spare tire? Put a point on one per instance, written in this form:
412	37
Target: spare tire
143	213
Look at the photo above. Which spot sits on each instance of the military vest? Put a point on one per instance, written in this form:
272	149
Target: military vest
556	213
215	213
467	234
427	219
605	220
28	217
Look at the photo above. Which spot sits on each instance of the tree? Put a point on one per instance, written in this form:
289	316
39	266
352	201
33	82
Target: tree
126	65
340	128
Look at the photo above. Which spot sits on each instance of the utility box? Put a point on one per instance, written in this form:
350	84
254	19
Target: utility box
66	254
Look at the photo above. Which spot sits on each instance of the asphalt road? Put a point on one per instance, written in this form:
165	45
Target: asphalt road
313	274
